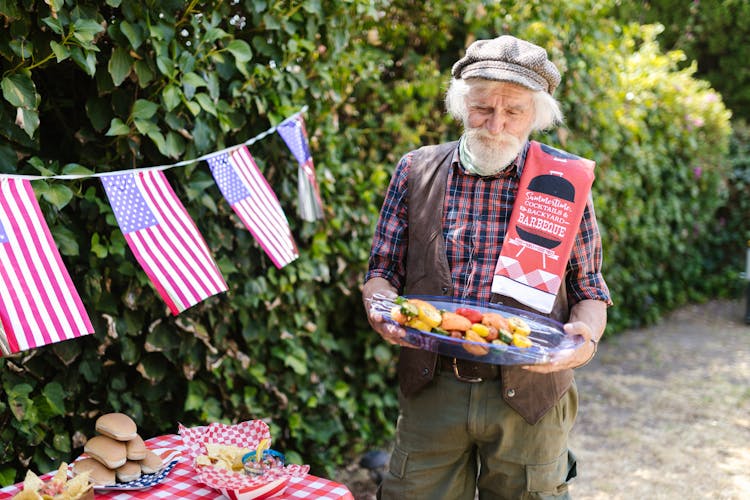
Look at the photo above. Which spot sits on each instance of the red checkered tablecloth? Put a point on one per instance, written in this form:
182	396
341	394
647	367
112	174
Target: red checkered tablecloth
180	483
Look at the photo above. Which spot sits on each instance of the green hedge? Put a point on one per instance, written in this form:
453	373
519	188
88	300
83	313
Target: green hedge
115	85
708	33
128	84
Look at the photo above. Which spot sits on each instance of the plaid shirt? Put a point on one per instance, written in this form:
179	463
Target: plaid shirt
476	212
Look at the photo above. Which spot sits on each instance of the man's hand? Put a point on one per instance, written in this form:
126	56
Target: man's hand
588	319
391	333
570	359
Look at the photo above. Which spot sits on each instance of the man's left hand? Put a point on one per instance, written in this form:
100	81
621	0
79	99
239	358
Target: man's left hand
570	359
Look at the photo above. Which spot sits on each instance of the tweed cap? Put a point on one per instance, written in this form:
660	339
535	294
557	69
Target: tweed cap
509	59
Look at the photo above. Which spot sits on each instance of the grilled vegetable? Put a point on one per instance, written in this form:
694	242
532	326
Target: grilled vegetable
521	341
496	320
492	333
518	326
403	311
453	321
476	350
418	324
441	331
428	313
481	329
505	336
471	314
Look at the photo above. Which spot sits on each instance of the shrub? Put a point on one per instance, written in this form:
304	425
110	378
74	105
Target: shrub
710	33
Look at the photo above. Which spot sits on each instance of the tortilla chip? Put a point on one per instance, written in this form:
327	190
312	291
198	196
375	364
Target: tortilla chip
58	488
32	482
77	486
62	473
27	495
223	456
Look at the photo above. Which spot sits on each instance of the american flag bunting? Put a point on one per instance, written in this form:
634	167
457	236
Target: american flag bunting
252	199
164	238
39	304
293	131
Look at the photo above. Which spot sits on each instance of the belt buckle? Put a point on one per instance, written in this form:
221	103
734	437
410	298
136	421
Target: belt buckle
471	380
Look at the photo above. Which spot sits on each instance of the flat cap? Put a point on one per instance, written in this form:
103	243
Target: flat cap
509	59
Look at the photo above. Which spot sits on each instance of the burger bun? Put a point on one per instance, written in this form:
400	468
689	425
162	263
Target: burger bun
152	463
136	448
128	472
109	452
98	472
118	426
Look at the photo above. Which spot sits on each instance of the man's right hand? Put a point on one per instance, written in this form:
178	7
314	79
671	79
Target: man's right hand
391	333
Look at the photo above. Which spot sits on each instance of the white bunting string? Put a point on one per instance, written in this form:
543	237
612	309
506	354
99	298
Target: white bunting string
183	163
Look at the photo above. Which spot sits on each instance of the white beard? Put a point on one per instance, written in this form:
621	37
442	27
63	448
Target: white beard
490	153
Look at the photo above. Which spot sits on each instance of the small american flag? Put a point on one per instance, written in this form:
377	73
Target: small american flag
293	131
39	304
253	200
163	238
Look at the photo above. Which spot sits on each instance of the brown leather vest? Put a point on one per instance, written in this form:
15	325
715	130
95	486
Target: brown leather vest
428	273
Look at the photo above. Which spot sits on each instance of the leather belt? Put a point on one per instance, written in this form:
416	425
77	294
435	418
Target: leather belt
468	371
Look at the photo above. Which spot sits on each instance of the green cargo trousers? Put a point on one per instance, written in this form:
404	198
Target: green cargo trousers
454	439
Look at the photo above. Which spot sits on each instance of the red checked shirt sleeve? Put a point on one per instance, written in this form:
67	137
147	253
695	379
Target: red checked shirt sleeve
584	277
388	254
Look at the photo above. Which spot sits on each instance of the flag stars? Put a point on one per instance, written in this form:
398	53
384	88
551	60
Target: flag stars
230	184
130	208
293	133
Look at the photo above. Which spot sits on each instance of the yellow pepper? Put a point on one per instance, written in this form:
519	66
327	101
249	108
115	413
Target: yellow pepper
482	330
521	341
418	324
428	314
518	326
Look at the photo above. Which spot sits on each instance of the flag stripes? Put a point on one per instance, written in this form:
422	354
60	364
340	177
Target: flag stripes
253	200
39	304
163	238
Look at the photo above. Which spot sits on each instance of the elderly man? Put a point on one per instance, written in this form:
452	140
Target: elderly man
464	426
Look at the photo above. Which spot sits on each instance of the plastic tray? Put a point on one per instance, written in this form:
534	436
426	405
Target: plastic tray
547	335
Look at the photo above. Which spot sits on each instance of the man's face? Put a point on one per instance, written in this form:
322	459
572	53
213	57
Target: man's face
497	124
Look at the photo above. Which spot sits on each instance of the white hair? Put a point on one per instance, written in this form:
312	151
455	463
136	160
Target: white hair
547	112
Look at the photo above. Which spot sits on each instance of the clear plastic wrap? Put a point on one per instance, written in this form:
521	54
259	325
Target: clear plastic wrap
547	337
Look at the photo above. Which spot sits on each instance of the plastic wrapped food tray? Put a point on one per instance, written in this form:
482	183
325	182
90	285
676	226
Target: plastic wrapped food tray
547	335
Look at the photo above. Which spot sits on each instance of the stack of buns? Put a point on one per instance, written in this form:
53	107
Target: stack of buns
117	453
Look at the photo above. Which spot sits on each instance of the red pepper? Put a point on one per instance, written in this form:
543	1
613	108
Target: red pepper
471	314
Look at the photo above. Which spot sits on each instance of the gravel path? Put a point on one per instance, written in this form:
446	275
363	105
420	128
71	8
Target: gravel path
664	412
